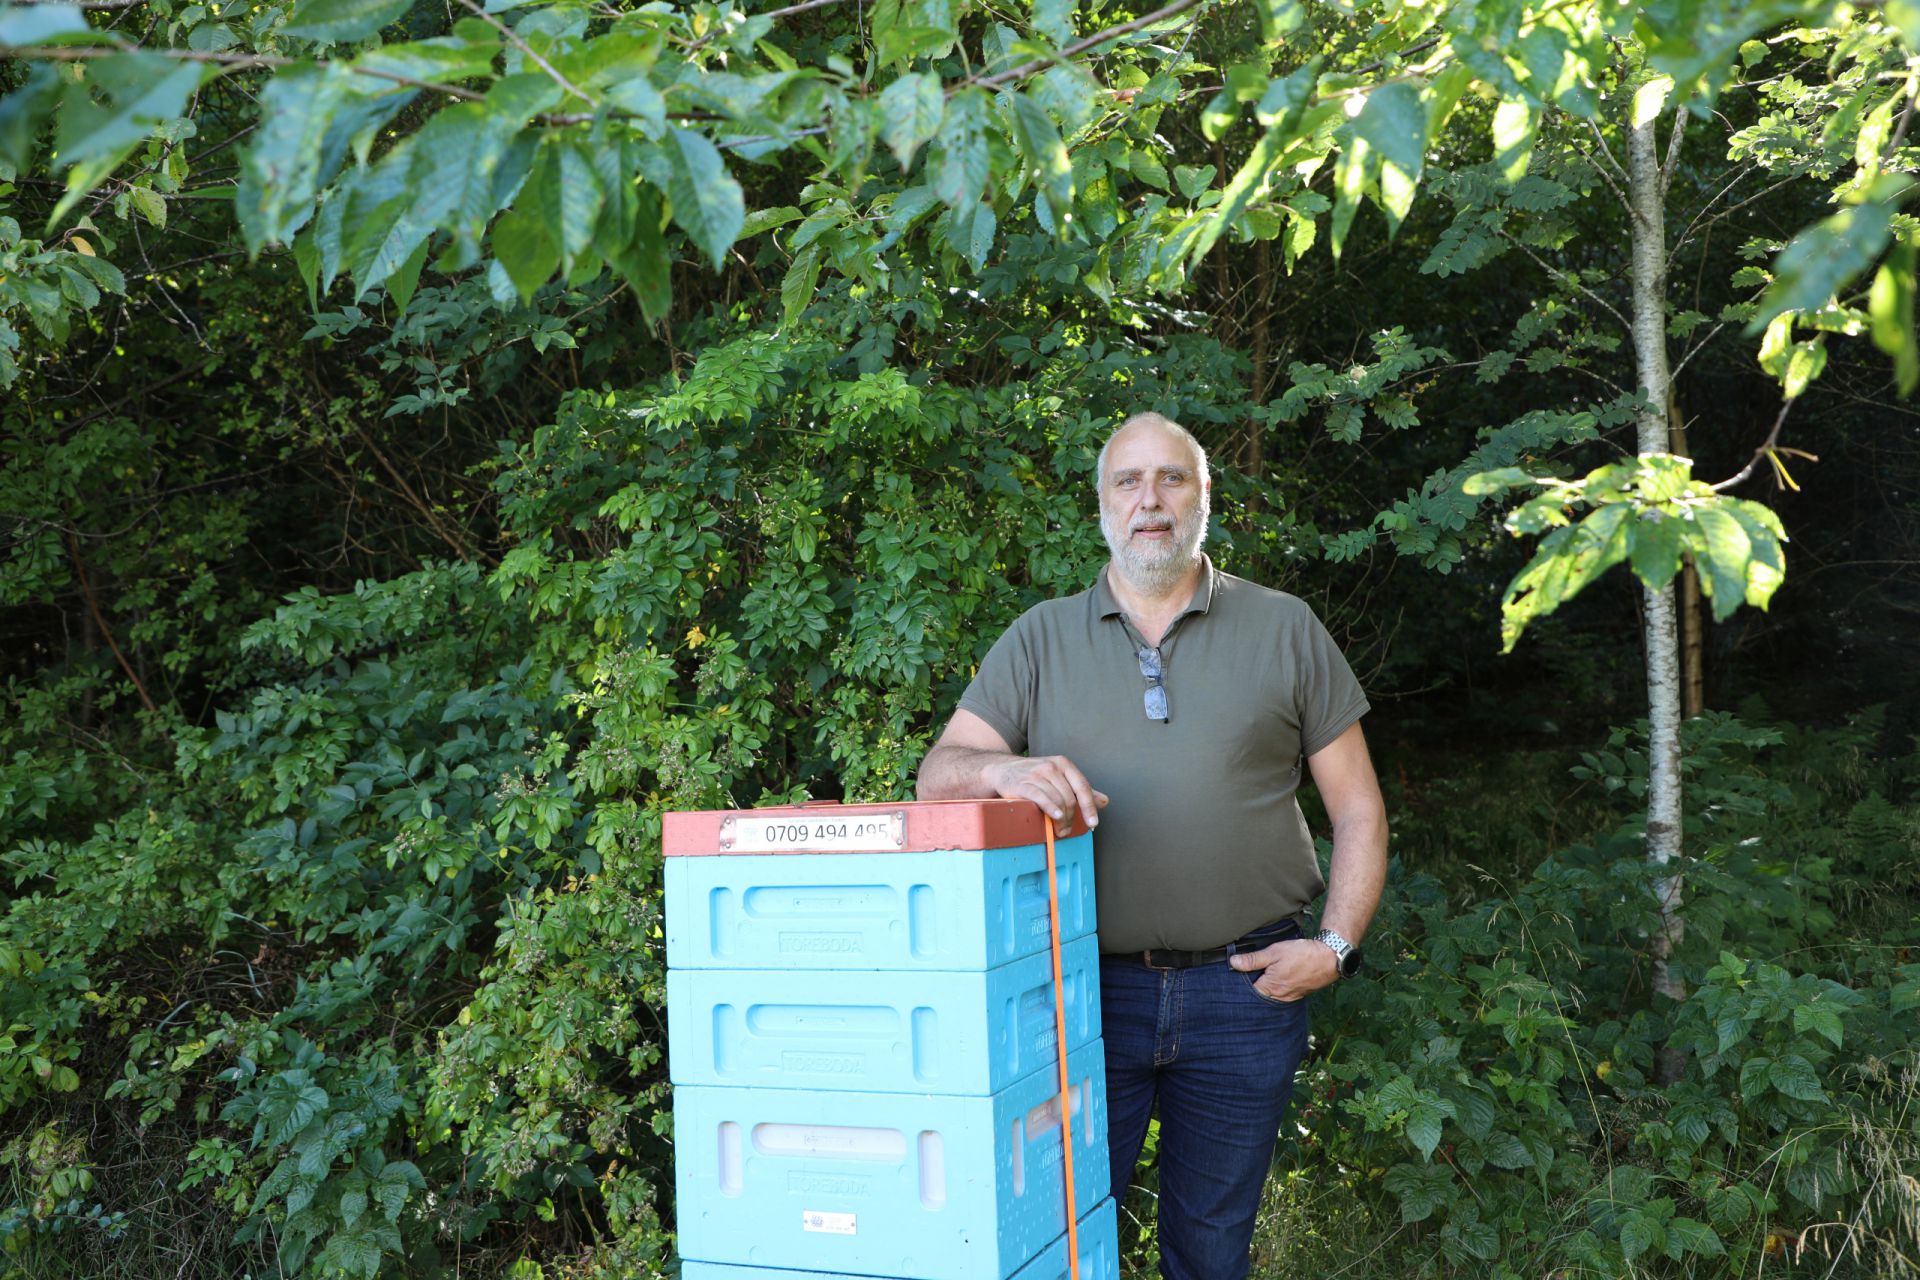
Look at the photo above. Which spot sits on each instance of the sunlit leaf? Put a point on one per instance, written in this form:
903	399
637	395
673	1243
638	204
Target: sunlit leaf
1394	123
1514	126
1566	561
1890	306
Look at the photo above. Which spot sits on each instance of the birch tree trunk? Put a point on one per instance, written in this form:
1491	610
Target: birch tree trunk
1647	194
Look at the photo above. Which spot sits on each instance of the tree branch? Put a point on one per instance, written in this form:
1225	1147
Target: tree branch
226	62
1766	447
787	12
1697	348
99	620
1098	38
1556	272
513	38
1607	178
1606	150
1673	151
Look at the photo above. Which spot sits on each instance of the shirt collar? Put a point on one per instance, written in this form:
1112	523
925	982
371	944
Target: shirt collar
1202	602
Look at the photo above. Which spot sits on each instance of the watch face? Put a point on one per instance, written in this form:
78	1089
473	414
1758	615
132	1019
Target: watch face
1350	963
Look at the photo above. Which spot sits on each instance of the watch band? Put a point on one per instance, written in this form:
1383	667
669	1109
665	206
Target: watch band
1345	954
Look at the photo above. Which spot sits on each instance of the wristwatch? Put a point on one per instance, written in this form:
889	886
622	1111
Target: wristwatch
1344	952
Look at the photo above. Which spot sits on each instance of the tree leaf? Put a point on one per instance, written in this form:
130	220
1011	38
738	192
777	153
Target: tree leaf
965	166
1823	259
121	102
796	289
980	234
1890	306
643	262
1420	1189
761	220
707	203
1638	1233
1695	1236
1515	123
405	278
336	21
1738	552
1394	123
1423	1129
1485	483
23	111
1350	174
1568	559
1278	18
1821	1019
1657	544
307	115
1804	364
1040	142
29	24
577	198
911	109
523	247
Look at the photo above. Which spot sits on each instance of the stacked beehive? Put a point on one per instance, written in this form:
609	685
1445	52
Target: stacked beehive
861	1033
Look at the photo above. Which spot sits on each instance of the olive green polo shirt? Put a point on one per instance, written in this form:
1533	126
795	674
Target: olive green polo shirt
1203	839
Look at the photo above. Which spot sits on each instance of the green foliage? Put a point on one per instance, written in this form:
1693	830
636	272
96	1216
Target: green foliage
1648	513
1502	1110
47	284
557	140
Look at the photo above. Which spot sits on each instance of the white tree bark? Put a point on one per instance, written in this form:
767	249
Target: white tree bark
1647	193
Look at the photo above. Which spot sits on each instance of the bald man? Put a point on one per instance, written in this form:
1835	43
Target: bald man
1173	706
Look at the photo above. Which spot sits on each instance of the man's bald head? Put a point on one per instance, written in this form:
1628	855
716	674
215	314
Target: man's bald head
1150	421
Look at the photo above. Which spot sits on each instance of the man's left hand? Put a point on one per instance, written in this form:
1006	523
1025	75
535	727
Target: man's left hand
1294	969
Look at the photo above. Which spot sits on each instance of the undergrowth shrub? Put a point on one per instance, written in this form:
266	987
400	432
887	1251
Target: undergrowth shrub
1488	1088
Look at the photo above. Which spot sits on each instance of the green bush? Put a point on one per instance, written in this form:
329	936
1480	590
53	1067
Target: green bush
1491	1086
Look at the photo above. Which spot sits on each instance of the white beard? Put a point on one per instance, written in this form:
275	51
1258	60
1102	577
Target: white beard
1156	568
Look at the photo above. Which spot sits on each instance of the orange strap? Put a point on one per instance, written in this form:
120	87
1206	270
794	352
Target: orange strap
1060	1033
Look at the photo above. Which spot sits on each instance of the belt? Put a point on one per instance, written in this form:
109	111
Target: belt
1166	958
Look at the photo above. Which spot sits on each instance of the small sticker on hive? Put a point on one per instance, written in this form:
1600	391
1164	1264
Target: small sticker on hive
835	1224
839	833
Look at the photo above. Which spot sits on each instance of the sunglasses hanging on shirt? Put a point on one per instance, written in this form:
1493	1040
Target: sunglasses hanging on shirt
1156	685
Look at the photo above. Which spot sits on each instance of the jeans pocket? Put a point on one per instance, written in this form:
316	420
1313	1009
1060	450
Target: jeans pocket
1253	979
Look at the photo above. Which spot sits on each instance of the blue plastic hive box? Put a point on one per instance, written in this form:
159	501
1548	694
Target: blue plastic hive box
934	1187
879	1031
1099	1258
948	909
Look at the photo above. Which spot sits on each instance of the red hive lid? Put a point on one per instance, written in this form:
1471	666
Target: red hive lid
918	826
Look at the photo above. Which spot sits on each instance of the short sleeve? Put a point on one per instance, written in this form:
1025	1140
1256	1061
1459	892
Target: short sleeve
1003	689
1330	698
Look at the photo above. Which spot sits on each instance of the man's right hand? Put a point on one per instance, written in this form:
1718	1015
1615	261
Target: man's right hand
972	761
1054	783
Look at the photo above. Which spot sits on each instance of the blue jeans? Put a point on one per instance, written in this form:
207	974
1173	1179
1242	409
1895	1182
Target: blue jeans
1218	1059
